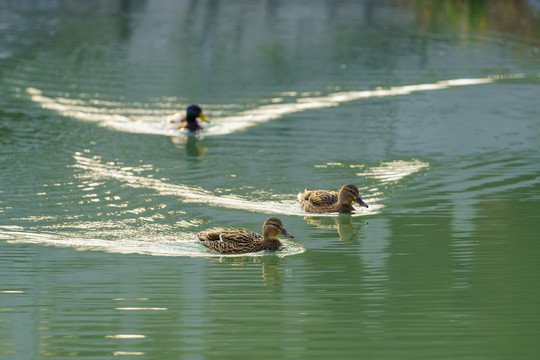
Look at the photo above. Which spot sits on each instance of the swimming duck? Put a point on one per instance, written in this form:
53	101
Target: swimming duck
322	201
188	121
243	241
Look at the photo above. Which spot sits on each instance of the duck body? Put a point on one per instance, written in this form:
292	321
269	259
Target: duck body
244	241
237	242
324	202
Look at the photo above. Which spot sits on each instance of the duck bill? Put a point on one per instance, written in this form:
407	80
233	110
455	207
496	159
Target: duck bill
203	118
362	203
286	234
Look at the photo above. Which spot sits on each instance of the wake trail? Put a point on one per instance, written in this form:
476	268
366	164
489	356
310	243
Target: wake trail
137	119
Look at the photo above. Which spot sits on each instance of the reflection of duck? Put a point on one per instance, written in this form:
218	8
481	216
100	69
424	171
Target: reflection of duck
348	233
190	143
243	241
188	122
322	201
272	275
192	147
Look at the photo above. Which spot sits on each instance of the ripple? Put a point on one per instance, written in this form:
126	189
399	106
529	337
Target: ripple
129	353
475	178
394	170
126	336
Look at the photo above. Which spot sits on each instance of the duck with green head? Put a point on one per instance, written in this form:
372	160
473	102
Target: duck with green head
323	201
243	241
189	121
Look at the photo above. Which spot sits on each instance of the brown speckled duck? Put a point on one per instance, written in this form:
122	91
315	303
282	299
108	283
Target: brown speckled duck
243	241
322	201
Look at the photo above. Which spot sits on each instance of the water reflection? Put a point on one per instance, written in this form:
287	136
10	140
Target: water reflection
75	6
478	15
464	243
271	273
347	231
193	148
191	143
375	243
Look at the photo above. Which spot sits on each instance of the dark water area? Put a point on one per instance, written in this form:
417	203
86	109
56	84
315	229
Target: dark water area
430	107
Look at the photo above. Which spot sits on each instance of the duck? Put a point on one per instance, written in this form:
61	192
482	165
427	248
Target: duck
323	201
189	121
244	241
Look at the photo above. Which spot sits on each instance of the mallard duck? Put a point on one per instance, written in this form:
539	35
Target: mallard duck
188	121
322	201
243	241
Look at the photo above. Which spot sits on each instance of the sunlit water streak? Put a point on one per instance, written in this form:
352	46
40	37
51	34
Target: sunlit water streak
139	119
97	170
394	170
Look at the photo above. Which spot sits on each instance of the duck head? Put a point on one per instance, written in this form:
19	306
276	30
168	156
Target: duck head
195	111
349	193
272	227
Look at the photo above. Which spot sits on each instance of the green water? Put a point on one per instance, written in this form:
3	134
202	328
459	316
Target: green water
431	108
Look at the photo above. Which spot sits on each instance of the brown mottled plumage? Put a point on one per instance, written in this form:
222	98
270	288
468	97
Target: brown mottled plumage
243	241
322	201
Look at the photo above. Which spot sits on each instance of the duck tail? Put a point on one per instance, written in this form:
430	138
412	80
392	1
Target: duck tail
200	237
305	195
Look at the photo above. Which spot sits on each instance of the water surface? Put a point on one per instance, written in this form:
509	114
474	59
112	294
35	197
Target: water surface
431	110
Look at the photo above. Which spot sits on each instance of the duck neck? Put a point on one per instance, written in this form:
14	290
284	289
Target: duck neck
191	119
344	208
268	235
343	200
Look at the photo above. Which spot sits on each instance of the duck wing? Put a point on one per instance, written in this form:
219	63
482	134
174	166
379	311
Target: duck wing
319	201
323	198
230	242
